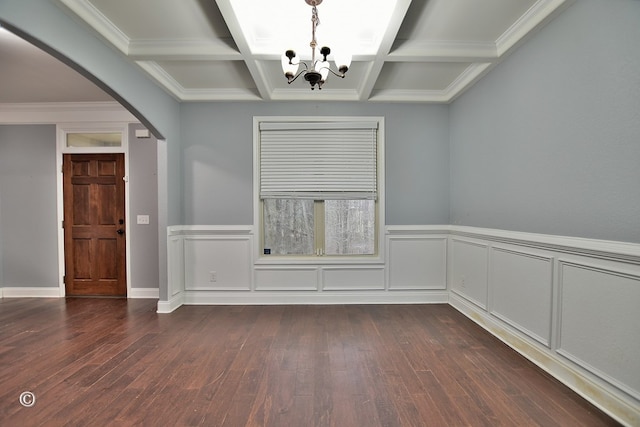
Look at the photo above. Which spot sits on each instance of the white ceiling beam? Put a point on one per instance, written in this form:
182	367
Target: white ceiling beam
252	64
385	47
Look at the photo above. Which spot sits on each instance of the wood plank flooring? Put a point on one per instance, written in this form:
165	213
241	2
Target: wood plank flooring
115	362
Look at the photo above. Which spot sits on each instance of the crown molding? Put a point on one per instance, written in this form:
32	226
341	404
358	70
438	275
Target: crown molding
467	78
409	96
61	112
538	14
187	49
163	78
100	23
218	95
326	94
180	93
443	50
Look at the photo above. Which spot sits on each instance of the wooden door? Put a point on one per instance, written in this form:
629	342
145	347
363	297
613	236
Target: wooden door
94	224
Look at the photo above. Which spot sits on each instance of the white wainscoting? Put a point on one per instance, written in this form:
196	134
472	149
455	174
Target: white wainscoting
286	278
469	266
217	262
572	306
569	305
520	292
216	265
599	325
416	259
353	278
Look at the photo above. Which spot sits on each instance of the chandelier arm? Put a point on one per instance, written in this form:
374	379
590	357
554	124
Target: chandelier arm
341	75
299	73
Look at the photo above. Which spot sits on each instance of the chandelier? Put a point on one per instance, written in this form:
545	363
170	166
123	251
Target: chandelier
318	71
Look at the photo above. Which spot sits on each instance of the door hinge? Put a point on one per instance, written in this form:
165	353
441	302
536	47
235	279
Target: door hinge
62	224
64	279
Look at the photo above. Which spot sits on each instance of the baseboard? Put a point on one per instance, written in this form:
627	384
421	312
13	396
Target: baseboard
30	292
315	298
165	307
596	391
144	293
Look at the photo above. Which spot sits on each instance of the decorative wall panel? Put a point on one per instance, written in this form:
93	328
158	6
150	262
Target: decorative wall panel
294	278
352	278
417	262
217	263
469	267
600	322
521	288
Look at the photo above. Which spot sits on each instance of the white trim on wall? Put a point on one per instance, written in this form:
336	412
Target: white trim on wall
143	293
582	329
64	112
380	216
30	292
465	255
197	252
62	129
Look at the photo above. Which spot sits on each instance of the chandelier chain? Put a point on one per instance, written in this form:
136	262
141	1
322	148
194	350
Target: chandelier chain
314	23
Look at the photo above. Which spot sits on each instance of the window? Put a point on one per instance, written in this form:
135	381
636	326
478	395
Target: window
94	139
318	186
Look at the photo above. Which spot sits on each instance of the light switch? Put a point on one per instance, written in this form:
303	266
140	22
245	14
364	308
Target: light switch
143	219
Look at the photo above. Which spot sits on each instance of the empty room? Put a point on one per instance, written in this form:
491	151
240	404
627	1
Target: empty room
320	212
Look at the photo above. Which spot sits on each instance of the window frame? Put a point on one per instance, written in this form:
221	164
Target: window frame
259	257
65	129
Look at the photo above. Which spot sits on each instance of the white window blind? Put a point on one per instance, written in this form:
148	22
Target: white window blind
320	161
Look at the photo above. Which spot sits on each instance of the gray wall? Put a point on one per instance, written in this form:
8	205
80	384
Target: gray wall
217	141
143	200
46	24
28	219
549	141
28	208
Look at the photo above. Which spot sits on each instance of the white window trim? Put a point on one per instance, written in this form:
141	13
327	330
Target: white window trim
67	128
258	256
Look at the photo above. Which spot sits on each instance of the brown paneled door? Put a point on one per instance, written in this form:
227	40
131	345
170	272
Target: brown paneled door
94	224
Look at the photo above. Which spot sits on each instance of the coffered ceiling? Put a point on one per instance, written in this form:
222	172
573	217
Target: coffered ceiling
403	50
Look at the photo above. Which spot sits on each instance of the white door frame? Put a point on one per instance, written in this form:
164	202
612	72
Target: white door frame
62	129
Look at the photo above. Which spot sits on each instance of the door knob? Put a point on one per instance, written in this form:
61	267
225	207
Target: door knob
120	231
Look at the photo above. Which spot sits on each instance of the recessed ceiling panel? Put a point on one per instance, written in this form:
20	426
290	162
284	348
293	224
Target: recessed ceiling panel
208	74
419	76
477	21
164	19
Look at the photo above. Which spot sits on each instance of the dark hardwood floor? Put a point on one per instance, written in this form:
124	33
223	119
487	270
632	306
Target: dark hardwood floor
109	362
